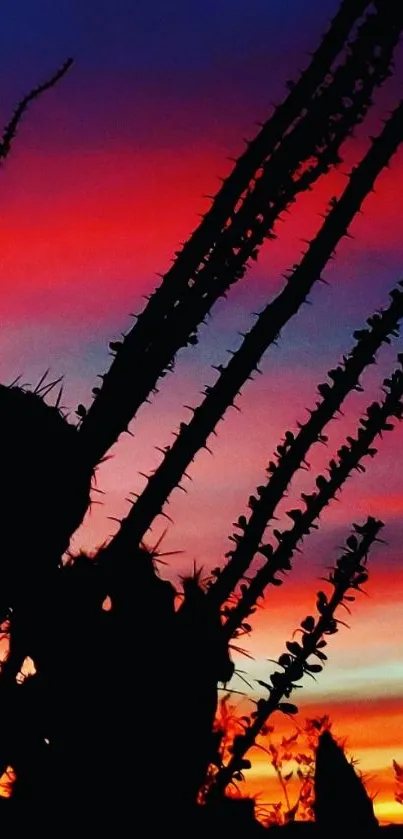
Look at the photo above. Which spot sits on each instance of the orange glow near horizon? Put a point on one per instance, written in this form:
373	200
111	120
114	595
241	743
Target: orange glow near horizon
360	731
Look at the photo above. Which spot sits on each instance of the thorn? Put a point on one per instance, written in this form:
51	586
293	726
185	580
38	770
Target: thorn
58	398
15	381
47	388
41	381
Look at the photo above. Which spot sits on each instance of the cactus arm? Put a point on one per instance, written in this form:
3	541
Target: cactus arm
194	435
349	456
11	128
317	139
305	154
102	420
344	379
350	572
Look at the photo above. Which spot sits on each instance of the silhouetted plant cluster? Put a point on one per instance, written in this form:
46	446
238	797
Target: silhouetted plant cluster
120	699
292	759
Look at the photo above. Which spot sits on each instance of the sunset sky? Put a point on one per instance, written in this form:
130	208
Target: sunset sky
106	177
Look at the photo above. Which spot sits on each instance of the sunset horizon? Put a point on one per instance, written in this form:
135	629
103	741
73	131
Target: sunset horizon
107	177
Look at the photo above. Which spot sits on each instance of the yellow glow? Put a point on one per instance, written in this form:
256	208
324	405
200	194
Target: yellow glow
389	811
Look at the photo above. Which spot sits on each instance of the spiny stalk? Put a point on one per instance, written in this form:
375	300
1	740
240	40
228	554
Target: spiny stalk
350	573
350	454
292	451
194	435
309	151
314	141
103	422
11	128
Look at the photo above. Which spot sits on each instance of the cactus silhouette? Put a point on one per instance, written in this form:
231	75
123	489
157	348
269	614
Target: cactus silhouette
278	560
293	449
203	271
121	702
194	435
350	573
